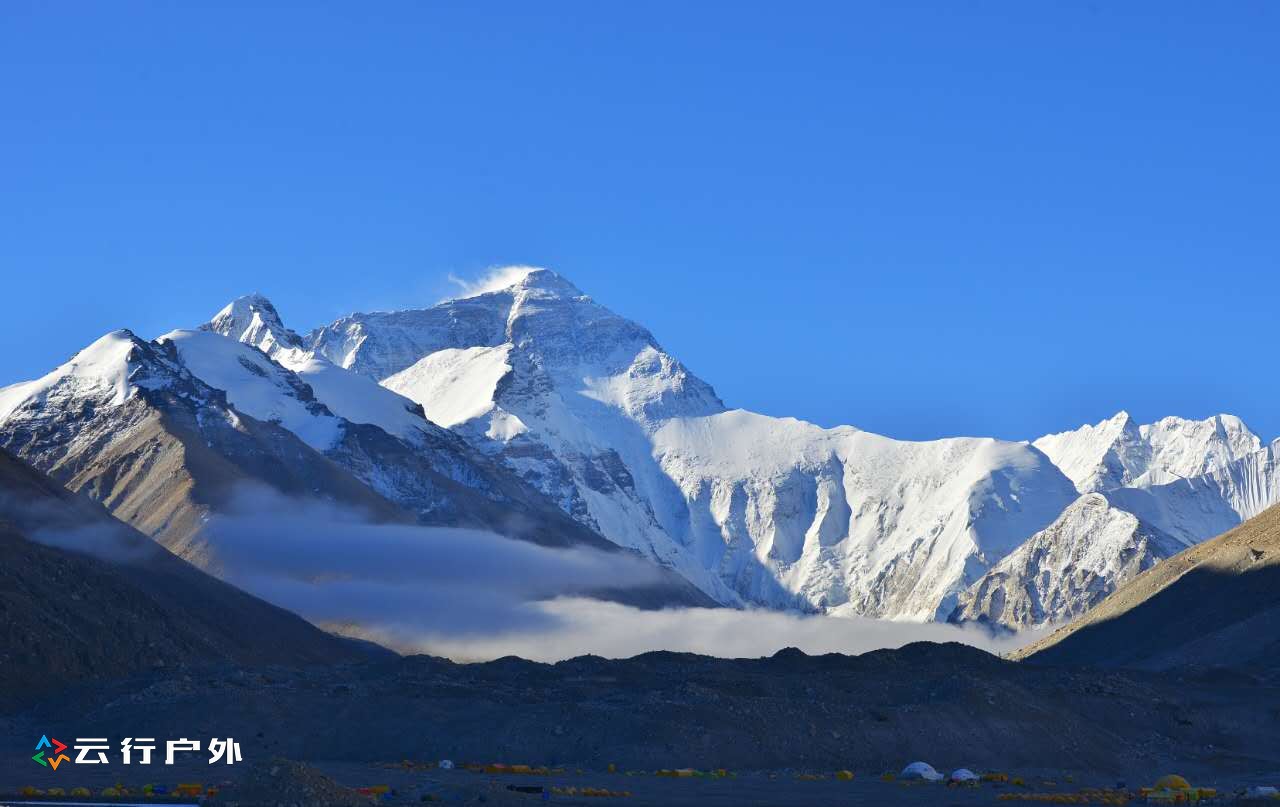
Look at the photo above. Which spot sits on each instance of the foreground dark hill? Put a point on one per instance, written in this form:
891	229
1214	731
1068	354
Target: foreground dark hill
129	607
1215	604
951	705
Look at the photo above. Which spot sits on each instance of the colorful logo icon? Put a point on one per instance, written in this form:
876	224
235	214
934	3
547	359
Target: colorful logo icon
55	748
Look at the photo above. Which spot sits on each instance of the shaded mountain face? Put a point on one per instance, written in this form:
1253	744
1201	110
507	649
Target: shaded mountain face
1214	604
395	451
85	596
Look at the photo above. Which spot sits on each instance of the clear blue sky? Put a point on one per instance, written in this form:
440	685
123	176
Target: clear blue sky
923	219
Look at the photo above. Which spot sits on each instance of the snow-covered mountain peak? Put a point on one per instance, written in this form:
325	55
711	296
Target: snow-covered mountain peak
557	394
1118	452
107	371
252	319
537	282
1107	455
531	335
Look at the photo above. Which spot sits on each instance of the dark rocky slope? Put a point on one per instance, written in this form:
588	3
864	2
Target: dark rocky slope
949	704
129	607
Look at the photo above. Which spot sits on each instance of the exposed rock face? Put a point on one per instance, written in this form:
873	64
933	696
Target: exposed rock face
1065	569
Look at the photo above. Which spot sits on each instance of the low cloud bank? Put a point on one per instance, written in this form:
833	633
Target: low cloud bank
332	567
580	627
472	595
105	541
57	524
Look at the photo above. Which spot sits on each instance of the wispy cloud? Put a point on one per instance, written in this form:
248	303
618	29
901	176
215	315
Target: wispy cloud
56	523
494	280
332	567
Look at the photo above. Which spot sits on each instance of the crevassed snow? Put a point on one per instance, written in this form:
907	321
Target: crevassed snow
255	385
454	385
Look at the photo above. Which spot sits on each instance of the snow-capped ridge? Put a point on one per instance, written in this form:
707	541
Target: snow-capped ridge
256	385
108	370
1183	448
1118	452
252	320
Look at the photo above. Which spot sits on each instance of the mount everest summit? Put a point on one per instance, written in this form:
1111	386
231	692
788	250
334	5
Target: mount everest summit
530	408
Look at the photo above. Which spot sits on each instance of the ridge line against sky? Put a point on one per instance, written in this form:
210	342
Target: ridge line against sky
923	220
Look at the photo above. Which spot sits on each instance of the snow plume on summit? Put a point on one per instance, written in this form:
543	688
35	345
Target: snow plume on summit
496	279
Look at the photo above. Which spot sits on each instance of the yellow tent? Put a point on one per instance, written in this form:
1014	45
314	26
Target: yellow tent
1172	781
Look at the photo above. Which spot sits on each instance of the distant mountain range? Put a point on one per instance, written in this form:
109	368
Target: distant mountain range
532	410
